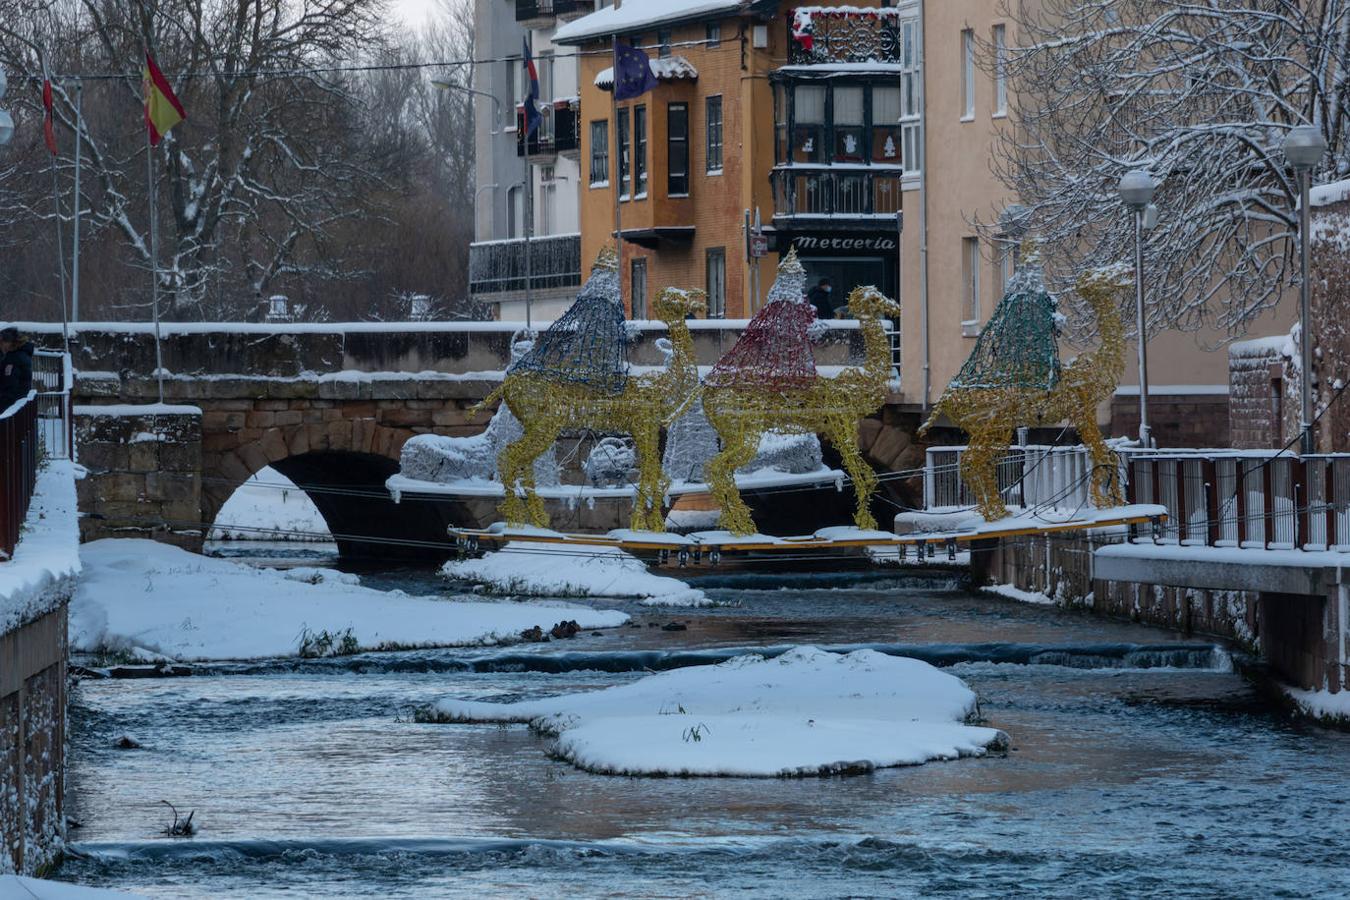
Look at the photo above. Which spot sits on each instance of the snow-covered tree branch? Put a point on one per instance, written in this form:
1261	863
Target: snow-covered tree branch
1200	93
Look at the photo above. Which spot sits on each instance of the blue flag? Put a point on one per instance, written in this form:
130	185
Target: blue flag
532	116
632	73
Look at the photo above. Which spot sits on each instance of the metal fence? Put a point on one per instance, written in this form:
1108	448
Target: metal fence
18	468
52	379
1029	475
1261	499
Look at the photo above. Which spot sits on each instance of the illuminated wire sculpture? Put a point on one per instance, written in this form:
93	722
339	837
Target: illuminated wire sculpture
576	376
763	384
1014	377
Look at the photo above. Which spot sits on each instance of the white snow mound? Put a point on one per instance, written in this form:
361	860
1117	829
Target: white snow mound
137	593
806	712
579	570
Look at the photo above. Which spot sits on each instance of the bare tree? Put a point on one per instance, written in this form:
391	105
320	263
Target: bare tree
289	176
1198	92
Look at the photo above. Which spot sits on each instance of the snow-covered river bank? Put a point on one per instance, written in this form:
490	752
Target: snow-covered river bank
1140	764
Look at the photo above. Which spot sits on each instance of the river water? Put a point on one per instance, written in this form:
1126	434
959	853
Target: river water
1141	764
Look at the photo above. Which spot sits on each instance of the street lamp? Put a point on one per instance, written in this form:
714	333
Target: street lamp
1136	192
528	205
1303	149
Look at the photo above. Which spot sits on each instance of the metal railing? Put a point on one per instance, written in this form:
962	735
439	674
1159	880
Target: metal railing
532	10
848	36
818	191
18	468
1029	475
498	267
1248	499
53	379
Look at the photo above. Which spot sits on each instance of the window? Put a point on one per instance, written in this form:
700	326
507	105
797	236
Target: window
640	149
714	128
808	129
780	143
968	72
599	153
548	200
512	95
637	283
911	126
677	150
848	124
625	163
515	212
713	34
970	285
886	138
717	282
1000	70
1007	264
663	38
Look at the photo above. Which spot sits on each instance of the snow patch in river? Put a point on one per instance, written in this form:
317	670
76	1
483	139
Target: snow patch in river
143	594
806	712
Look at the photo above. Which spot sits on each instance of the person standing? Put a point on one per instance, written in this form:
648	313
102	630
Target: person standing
819	296
16	367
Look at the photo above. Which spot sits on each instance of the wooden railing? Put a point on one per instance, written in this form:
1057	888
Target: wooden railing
1250	499
18	468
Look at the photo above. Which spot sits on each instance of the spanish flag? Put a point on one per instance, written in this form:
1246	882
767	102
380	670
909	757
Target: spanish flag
162	109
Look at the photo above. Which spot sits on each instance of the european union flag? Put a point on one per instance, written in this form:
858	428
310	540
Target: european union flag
632	72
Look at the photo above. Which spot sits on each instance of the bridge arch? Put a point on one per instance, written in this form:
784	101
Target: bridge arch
340	453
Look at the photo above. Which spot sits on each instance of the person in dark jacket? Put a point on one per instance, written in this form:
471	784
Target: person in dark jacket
820	299
16	367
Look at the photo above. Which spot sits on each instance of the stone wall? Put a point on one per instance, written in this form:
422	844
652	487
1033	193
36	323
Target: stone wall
1257	395
145	473
32	742
1060	566
1176	420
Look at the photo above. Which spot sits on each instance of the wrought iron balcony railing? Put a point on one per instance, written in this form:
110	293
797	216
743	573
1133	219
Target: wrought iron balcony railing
498	267
537	10
559	130
823	34
842	193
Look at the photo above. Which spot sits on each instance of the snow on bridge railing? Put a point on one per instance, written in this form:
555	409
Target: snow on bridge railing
18	468
1246	498
1029	475
293	328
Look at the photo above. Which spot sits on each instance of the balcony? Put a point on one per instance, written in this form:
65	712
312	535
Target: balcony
541	13
852	198
848	36
559	132
497	268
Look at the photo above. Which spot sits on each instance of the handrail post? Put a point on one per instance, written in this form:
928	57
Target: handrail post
1302	501
1267	504
1240	493
1213	530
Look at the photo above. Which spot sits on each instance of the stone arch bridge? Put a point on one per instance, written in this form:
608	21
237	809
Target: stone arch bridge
327	405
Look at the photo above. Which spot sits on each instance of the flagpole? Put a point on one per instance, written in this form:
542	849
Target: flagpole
618	158
528	210
154	263
60	254
79	158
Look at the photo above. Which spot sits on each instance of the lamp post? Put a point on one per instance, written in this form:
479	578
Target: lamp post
1303	149
6	120
1136	192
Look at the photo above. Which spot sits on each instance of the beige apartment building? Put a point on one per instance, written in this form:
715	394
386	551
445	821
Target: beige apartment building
859	134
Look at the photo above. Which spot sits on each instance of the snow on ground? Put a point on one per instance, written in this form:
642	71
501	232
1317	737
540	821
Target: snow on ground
137	593
579	570
1012	592
1322	704
269	507
806	712
48	550
18	887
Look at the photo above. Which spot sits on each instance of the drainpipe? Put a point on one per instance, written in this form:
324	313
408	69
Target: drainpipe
923	215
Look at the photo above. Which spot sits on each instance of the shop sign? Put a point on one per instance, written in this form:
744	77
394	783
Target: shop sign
815	243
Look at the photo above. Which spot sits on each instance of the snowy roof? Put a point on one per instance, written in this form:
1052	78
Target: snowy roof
635	15
671	68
